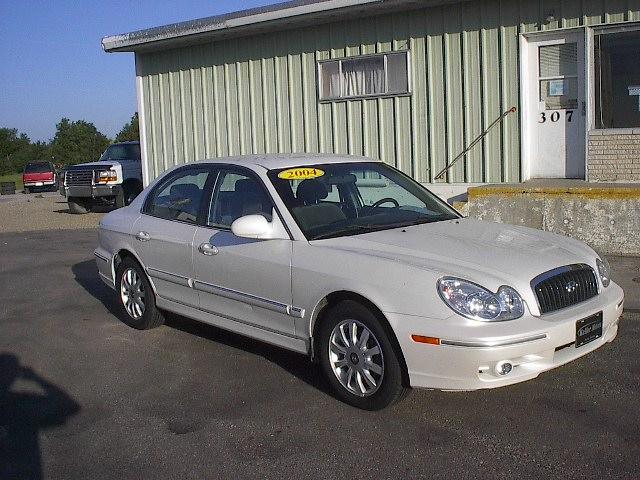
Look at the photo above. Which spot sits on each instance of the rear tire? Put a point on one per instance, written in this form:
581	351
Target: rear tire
136	296
361	366
77	206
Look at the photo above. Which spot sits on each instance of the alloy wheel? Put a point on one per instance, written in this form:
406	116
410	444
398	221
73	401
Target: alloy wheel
356	357
132	293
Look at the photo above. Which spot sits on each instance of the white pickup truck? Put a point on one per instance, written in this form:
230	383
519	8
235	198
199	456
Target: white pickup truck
115	180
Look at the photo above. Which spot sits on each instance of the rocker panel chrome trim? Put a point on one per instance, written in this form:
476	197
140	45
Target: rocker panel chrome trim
249	298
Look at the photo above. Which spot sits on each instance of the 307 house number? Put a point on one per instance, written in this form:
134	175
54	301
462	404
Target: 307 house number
555	116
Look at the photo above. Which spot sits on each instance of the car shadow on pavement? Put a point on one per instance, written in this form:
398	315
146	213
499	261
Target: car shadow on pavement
25	410
86	275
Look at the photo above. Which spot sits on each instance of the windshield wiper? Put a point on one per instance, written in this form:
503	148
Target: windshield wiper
351	230
419	221
371	227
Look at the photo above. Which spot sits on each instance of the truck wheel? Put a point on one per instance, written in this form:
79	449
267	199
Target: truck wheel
27	190
131	191
78	206
119	200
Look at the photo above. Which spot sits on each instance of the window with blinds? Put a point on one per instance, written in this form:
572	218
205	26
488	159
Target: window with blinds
558	76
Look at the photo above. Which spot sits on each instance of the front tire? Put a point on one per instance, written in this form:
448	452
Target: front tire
77	206
136	296
131	191
358	359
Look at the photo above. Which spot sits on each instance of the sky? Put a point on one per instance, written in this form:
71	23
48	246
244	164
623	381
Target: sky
52	64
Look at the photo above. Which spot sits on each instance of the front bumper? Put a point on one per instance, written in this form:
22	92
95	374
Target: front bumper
91	191
468	353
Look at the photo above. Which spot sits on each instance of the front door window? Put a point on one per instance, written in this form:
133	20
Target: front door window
238	194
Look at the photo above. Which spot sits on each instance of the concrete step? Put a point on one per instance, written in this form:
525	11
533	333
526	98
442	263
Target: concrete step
461	207
604	215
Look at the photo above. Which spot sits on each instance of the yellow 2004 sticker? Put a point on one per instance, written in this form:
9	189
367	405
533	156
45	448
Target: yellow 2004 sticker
300	173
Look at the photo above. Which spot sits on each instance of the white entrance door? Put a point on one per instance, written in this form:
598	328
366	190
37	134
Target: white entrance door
555	106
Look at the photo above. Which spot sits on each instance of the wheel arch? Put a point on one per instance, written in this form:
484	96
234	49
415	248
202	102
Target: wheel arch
123	253
332	299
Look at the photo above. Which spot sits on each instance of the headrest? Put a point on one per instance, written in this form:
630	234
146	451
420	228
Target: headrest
248	187
184	190
311	191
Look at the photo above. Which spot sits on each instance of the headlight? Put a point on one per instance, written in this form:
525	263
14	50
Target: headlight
477	303
106	176
604	269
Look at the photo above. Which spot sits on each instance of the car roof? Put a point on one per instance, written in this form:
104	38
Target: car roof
286	160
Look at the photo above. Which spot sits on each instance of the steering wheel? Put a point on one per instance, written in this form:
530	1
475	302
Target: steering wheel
386	200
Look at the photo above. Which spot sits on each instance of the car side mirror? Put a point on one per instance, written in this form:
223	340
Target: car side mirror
258	227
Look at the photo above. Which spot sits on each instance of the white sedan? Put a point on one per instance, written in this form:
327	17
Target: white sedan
355	264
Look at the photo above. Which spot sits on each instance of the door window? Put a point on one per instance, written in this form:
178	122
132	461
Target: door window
238	194
559	76
178	197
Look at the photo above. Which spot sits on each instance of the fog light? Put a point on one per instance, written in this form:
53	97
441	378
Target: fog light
503	367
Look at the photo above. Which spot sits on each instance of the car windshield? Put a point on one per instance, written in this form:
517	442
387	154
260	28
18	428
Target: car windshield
39	167
122	151
334	200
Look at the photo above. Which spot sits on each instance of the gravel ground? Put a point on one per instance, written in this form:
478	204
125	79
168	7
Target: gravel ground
41	211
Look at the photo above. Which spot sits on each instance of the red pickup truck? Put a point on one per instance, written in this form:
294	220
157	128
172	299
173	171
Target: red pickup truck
39	175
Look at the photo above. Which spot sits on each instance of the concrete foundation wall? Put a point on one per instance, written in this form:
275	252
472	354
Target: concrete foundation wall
608	220
614	155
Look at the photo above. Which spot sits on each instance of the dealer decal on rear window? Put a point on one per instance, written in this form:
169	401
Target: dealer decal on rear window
300	173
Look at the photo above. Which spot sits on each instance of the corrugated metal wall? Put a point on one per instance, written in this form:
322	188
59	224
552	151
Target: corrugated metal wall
258	94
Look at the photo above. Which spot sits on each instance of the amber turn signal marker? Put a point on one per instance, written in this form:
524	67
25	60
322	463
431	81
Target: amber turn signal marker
423	339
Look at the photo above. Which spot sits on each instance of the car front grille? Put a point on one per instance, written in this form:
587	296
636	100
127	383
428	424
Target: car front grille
565	286
79	177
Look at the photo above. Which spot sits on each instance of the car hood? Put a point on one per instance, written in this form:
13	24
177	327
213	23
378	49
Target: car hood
485	252
105	164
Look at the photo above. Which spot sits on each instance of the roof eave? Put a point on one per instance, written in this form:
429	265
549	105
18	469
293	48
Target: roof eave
212	27
273	17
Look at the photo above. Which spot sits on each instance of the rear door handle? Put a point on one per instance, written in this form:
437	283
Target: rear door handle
207	249
143	236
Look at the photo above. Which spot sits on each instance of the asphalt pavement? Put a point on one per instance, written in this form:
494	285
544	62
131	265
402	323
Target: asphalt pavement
84	396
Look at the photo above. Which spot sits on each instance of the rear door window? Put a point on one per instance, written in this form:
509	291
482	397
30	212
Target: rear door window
179	197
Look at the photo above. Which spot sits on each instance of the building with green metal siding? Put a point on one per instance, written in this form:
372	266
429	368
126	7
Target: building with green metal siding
265	80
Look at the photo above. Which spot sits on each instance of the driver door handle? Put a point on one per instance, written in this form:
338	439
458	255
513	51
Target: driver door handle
143	236
207	249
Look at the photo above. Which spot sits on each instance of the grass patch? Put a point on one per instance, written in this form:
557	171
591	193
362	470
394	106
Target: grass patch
13	177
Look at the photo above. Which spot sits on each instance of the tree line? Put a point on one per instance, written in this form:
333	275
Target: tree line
73	143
